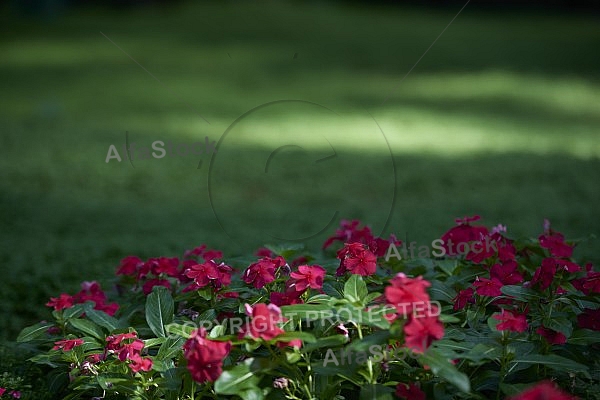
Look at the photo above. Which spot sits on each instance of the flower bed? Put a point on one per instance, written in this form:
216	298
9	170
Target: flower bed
489	317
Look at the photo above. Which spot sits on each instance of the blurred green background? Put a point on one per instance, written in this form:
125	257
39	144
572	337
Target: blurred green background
500	118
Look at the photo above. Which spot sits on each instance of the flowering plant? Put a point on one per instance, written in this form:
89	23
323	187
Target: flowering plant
488	318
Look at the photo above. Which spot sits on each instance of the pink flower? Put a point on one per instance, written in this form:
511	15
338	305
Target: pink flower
263	271
224	273
357	259
479	250
2	390
264	252
95	358
488	287
589	284
567	265
202	274
208	273
91	291
308	276
511	321
543	391
405	292
147	288
263	324
61	302
204	356
129	350
167	266
551	336
463	298
555	242
114	341
409	392
15	394
349	232
544	275
507	273
285	299
302	260
421	332
589	319
201	251
129	266
67	344
139	363
110	309
463	233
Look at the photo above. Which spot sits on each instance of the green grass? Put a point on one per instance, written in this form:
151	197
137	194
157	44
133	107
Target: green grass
501	118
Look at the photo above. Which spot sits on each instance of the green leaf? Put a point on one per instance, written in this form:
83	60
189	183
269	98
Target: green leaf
330	341
170	348
307	311
321	299
238	379
179	329
483	352
442	292
74	312
519	292
252	394
34	331
448	266
293	335
331	291
57	381
513	389
584	337
448	319
371	297
44	358
376	392
101	318
153	342
208	315
552	361
116	384
562	325
355	289
441	367
88	327
379	338
108	383
159	310
375	317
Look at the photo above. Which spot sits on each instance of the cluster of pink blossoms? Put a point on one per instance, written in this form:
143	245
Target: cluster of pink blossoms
15	394
405	294
500	260
90	291
204	356
267	269
197	270
126	346
361	248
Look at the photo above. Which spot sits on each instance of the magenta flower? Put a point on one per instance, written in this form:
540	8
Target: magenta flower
308	276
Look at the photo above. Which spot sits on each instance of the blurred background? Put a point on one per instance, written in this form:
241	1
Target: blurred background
313	120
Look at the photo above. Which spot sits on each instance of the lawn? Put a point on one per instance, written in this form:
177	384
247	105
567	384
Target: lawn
500	118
